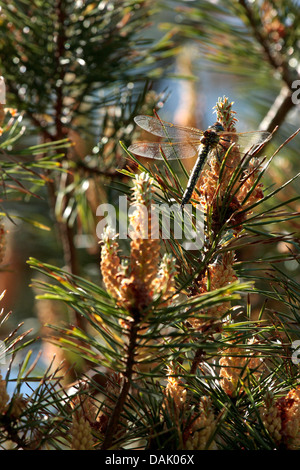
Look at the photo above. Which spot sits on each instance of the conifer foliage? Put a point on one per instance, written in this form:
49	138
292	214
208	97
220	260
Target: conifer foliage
168	348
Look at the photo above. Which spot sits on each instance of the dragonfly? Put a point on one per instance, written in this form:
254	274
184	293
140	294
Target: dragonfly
188	142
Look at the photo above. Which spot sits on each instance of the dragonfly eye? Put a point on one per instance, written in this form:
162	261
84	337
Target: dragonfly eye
217	126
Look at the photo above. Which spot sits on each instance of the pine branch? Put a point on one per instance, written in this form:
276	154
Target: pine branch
279	110
276	60
283	102
128	375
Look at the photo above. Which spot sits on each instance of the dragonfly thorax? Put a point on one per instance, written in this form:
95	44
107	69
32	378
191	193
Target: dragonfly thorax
211	135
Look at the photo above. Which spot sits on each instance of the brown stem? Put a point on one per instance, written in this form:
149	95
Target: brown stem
197	359
278	111
115	417
59	53
66	232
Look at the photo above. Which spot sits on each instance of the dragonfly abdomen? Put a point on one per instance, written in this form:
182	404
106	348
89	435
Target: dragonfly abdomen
195	174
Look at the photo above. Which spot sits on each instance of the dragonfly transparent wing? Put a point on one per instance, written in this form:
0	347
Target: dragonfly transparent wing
171	150
246	141
166	129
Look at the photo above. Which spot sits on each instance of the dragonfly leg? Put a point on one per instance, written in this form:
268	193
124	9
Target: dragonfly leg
218	155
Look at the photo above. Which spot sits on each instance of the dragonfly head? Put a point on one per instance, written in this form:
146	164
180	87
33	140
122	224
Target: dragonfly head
217	126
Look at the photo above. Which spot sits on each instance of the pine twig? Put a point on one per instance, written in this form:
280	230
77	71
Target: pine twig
278	111
115	417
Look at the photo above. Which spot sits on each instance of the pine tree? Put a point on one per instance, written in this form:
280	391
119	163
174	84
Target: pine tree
175	348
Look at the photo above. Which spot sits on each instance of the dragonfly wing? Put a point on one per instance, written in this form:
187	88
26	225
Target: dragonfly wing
171	150
166	129
246	141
